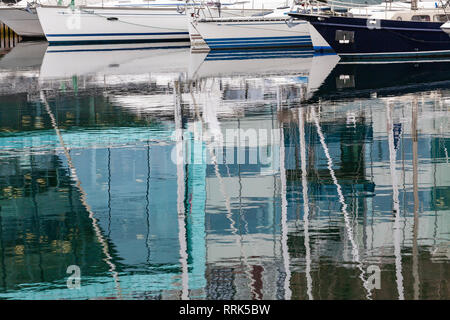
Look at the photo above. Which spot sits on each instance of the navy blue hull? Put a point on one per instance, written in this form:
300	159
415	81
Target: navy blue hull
361	38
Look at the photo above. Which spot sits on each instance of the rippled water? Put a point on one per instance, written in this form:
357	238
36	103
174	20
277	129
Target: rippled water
163	174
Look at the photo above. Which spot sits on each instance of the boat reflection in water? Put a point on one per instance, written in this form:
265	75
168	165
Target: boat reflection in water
124	168
350	80
19	69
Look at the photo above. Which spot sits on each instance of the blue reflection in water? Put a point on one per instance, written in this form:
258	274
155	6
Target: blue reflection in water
133	178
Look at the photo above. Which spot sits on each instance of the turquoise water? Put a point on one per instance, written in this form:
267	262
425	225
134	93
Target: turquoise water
120	163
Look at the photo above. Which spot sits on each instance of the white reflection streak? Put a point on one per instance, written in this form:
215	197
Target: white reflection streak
284	228
229	216
218	138
445	148
83	196
396	204
301	125
355	250
180	197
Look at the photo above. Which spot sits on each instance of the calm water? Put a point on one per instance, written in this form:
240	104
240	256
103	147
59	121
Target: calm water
163	174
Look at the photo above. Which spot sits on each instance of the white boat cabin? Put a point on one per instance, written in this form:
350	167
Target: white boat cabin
422	15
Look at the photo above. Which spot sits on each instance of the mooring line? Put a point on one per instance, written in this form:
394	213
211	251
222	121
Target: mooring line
355	250
83	197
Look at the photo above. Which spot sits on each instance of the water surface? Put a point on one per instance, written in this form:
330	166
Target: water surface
163	174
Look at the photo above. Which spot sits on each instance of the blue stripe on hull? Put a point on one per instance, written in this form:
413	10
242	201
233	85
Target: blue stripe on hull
323	49
273	56
120	49
259	38
258	41
113	41
265	45
255	41
262	42
259	54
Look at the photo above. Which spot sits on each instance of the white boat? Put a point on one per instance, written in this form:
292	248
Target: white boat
100	25
123	22
277	30
22	19
386	7
446	27
274	30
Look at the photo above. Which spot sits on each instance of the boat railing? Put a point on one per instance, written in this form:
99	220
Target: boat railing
203	9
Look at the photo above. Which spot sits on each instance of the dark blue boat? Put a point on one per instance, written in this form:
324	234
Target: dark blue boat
372	39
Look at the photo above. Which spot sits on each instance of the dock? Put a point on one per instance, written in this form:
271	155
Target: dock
8	38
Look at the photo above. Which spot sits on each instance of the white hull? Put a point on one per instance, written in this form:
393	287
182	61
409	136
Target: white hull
446	27
257	33
22	22
120	25
96	25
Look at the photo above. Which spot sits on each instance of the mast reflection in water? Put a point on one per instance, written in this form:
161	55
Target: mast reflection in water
121	169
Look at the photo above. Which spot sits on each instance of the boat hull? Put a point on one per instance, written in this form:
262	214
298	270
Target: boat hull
24	23
256	33
368	39
96	25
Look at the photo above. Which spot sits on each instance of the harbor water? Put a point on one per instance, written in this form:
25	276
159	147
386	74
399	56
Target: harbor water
162	174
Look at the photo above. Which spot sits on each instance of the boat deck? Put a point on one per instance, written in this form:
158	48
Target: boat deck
244	19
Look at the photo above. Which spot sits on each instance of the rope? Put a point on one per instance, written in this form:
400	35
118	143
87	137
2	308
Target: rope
83	197
131	23
348	225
